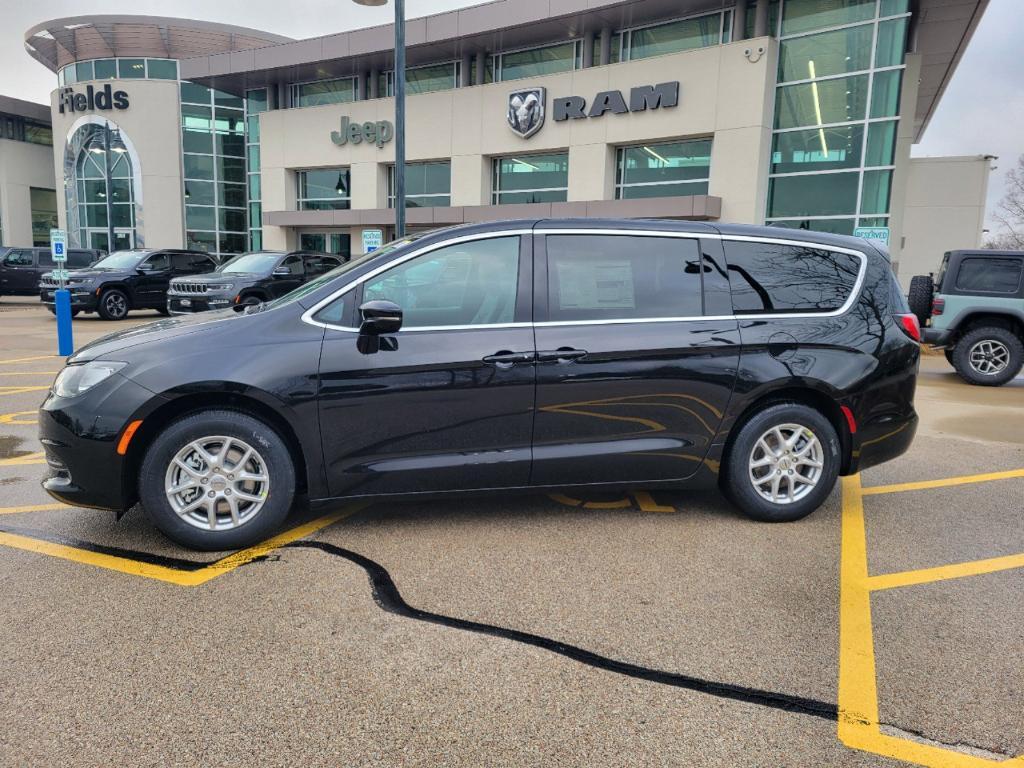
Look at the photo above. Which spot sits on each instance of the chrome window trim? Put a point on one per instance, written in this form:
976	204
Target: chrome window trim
307	316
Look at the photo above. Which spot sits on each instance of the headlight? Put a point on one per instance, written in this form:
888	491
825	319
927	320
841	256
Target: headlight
221	287
76	379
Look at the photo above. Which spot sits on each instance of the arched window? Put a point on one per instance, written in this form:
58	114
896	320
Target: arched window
100	170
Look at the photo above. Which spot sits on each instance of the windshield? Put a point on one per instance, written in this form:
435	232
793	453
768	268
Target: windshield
121	260
327	277
250	262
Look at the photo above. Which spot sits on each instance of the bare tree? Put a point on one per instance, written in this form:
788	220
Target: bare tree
1011	212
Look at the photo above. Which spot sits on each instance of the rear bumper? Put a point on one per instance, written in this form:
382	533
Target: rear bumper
937	337
80	435
883	442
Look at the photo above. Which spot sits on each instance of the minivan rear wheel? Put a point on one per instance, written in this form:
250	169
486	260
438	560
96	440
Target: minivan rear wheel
217	480
782	464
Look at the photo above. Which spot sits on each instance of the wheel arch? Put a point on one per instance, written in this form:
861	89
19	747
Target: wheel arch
980	317
817	397
176	407
122	287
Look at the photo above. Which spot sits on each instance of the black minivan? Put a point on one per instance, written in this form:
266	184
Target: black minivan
515	355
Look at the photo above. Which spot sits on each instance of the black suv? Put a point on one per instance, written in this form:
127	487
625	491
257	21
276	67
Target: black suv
22	268
515	355
127	280
247	279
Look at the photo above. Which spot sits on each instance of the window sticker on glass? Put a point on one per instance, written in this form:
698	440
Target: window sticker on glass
590	285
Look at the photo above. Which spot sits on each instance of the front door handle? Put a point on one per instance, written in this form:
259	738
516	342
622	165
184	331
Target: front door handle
506	359
561	355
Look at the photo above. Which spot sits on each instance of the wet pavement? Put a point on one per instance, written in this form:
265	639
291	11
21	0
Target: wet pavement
625	629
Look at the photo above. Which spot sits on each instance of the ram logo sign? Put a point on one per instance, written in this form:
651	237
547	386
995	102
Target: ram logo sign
526	111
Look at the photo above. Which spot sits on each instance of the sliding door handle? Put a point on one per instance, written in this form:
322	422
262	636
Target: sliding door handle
561	355
506	359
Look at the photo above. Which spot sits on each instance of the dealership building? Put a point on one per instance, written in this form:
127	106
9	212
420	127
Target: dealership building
795	113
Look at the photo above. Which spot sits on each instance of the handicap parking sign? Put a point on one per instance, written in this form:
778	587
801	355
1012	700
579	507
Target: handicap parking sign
58	244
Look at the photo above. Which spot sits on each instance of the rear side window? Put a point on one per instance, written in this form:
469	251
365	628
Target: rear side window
80	258
192	263
989	275
770	278
622	277
46	259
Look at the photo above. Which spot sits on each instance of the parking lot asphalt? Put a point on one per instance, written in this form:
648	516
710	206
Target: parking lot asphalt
619	629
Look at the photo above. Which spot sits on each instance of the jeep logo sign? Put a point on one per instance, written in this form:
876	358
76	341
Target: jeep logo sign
378	133
641	98
102	99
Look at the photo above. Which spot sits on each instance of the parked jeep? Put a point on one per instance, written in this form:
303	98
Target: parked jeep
975	312
247	279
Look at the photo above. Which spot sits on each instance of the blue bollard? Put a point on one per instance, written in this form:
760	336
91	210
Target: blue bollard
62	303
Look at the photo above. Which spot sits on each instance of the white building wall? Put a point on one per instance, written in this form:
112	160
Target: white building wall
22	166
944	210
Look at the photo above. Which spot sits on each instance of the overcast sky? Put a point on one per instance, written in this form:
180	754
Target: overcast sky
982	111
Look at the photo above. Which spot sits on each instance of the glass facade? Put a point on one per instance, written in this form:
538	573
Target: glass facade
531	179
255	103
323	189
433	77
662	170
836	113
214	162
18	128
675	36
536	62
426	184
110	69
314	94
44	214
99	168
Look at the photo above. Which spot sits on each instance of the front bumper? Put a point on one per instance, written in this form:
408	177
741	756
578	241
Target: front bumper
84	300
80	435
937	337
185	305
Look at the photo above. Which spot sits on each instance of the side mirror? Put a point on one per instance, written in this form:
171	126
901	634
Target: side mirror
380	317
144	270
281	272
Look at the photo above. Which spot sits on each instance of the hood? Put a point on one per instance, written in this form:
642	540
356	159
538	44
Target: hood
86	273
112	345
215	278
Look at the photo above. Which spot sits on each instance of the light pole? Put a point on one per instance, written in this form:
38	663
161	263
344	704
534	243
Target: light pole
399	110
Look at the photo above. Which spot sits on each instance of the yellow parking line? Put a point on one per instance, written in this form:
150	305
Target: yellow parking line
32	508
943	572
173	575
943	483
647	503
21	390
28	359
13	418
28	458
858	693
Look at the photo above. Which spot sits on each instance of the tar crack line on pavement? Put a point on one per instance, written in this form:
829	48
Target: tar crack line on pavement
387	596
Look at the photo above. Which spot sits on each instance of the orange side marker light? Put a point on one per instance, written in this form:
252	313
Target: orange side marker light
126	437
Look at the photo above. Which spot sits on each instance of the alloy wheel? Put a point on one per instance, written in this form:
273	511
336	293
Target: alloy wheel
217	483
115	305
989	357
786	463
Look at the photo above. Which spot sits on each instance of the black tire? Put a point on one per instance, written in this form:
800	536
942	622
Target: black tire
249	300
920	297
736	480
164	311
949	355
271	450
113	304
997	336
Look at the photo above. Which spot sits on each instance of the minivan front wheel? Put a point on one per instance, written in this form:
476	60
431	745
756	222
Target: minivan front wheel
217	480
782	464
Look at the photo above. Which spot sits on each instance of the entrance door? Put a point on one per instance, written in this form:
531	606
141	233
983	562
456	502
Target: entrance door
631	381
447	402
124	239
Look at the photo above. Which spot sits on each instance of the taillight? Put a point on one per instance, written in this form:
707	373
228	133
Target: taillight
938	306
910	326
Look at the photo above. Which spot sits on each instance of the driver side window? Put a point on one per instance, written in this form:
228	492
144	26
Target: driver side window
158	262
19	259
471	283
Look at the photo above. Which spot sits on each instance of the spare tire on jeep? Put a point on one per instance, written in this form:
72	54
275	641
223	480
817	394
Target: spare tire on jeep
920	298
